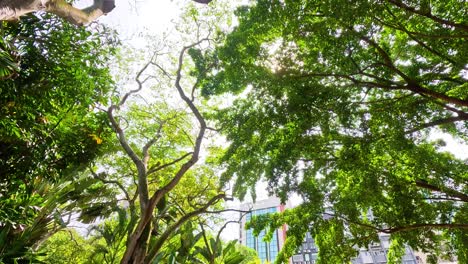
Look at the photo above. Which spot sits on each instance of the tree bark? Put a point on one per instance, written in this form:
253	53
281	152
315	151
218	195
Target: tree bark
14	9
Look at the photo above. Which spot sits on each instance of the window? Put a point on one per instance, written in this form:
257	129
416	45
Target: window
266	250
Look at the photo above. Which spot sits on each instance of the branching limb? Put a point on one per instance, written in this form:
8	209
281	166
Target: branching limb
119	184
410	9
198	142
148	208
158	168
439	122
140	165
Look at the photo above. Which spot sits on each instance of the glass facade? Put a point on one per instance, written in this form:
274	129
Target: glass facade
267	251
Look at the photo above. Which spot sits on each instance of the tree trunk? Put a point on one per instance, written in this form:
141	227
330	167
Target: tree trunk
14	9
141	248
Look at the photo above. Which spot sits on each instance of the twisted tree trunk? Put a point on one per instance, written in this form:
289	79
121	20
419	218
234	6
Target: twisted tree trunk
14	9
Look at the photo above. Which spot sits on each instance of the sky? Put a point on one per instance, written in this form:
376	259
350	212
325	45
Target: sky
131	17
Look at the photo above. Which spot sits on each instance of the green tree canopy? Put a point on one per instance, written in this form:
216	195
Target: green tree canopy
338	101
49	127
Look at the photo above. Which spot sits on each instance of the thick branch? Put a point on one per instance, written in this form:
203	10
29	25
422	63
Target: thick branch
400	4
423	226
202	1
420	42
424	91
439	122
227	210
410	227
412	85
388	62
80	16
155	169
13	9
450	192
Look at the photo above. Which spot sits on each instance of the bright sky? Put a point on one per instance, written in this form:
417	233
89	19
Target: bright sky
131	17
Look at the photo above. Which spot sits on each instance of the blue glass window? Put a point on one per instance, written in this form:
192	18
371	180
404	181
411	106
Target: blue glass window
267	251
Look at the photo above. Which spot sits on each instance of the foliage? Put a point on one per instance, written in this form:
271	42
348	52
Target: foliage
338	101
196	245
60	201
8	59
49	127
66	246
104	243
108	239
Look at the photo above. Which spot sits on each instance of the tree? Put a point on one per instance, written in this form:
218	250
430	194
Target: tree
49	128
340	99
157	172
161	141
14	9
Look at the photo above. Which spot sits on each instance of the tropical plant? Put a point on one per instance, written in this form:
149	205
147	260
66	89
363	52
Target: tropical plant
49	127
66	246
196	245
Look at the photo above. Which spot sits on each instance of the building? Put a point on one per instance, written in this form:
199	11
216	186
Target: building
422	259
375	253
267	251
